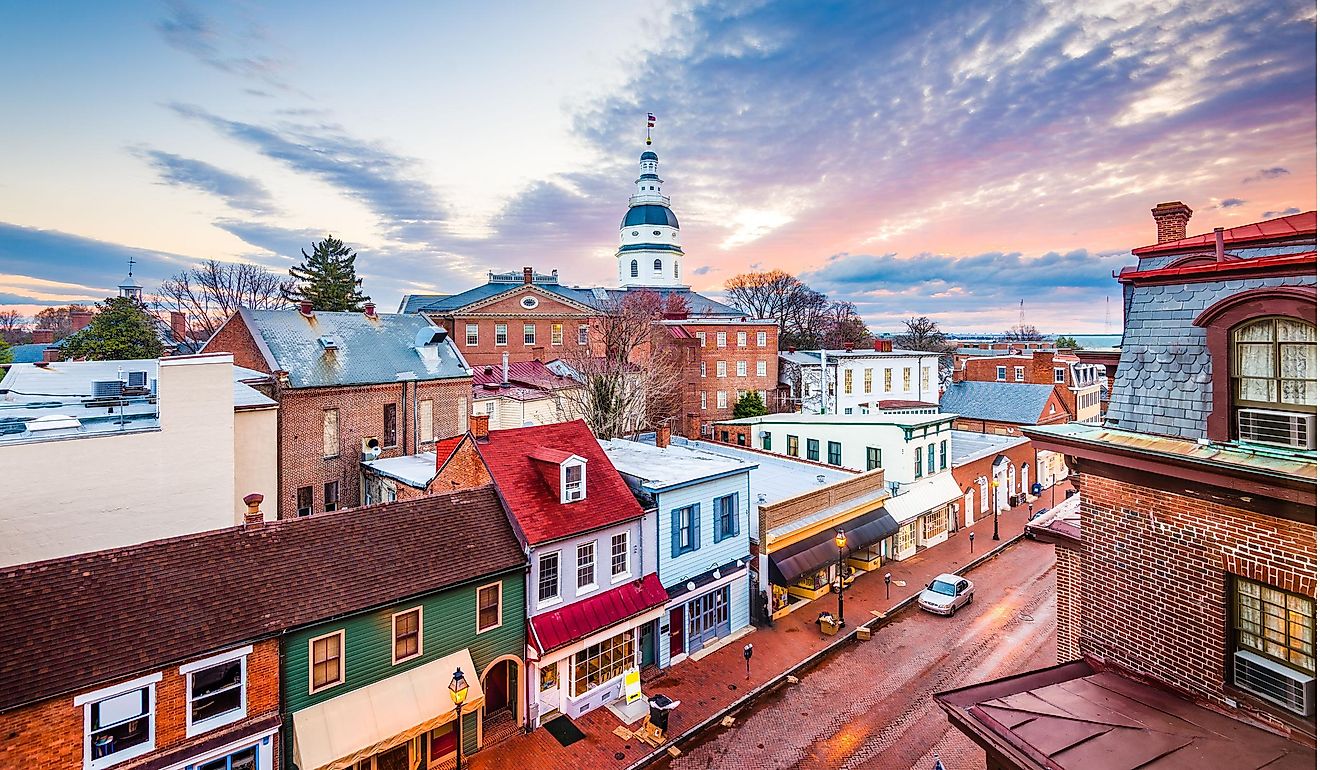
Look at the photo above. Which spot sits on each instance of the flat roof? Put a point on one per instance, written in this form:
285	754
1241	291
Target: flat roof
966	445
414	470
671	466
875	418
776	477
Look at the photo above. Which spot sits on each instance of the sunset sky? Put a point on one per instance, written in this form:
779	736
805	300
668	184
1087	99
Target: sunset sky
917	158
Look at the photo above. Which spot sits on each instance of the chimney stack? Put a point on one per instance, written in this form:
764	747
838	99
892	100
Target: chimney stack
51	354
959	373
253	517
1219	244
179	326
1171	221
305	307
369	310
479	426
848	346
80	319
662	436
527	276
883	346
43	336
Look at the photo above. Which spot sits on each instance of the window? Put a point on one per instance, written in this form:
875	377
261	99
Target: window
619	556
529	334
907	379
916	465
722	399
1001	373
556	334
835	450
742	339
331	496
873	458
501	334
602	662
925	378
742	369
760	339
1274	365
586	566
217	690
1058	374
765	440
847	410
685	529
675	268
703	368
1275	624
472	338
721	339
889	380
119	722
550	677
792	446
701	337
547	577
425	421
330	433
407	633
847	382
1019	374
632	270
575	486
326	655
658	266
866	380
703	399
489	614
304	501
390	421
721	369
761	370
944	457
243	759
930	458
582	334
813	449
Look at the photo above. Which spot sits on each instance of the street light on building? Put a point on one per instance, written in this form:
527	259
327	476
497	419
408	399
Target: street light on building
842	542
458	690
995	496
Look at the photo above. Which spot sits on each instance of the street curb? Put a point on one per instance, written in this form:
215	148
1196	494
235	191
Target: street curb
774	682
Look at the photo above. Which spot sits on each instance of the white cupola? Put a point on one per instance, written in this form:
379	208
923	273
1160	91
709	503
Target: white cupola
650	254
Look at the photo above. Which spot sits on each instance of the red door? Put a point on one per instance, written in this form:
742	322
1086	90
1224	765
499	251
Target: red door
497	687
676	632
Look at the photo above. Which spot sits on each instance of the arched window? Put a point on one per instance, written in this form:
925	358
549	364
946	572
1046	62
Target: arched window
659	266
1274	365
634	268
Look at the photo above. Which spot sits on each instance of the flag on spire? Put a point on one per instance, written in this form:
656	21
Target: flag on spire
650	124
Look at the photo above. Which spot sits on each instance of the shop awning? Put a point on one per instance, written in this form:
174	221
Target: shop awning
551	630
793	561
921	496
348	728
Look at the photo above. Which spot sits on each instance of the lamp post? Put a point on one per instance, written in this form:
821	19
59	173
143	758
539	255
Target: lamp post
887	577
841	542
971	542
458	690
995	486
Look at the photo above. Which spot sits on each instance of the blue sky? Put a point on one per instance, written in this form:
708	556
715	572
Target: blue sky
934	158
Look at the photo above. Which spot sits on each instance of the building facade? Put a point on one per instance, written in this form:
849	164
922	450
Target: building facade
721	360
858	381
994	473
1002	408
1078	384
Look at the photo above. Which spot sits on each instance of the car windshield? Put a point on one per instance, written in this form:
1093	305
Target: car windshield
941	587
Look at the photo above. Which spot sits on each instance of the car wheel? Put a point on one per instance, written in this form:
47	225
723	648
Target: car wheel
970	597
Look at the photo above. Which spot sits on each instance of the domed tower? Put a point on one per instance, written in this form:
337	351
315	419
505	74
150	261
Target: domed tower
649	252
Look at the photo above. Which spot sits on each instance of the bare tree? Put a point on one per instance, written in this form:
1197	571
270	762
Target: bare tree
841	326
11	326
59	319
1023	332
629	384
212	291
924	334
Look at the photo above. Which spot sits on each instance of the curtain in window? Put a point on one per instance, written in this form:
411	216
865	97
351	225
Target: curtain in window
1297	362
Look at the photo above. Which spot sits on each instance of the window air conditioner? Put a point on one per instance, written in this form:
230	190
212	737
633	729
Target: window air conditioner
1290	429
370	448
1274	682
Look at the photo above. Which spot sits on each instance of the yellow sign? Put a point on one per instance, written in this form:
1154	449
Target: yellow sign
632	685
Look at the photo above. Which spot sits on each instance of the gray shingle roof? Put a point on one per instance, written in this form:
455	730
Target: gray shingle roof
442	303
367	350
1016	402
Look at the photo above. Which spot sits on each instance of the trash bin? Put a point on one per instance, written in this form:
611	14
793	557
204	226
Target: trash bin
660	708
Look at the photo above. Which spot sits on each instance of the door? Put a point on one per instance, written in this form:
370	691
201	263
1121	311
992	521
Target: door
969	513
675	632
708	618
496	687
648	643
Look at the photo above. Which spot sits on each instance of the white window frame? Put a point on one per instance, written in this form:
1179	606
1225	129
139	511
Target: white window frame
703	368
532	329
577	568
219	720
582	334
563	480
761	369
86	700
1001	373
760	339
312	689
741	367
722	399
559	582
505	329
472	335
721	339
616	577
557	334
1059	376
1019	374
742	339
394	635
499	606
721	369
702	337
703	400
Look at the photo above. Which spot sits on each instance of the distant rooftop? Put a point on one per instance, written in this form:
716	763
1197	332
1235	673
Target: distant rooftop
671	466
876	418
968	446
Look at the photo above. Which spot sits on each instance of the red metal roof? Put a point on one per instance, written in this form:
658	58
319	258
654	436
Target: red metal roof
1269	230
509	454
1228	266
527	373
552	630
679	332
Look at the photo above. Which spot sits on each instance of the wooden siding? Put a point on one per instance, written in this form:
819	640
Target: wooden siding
673	570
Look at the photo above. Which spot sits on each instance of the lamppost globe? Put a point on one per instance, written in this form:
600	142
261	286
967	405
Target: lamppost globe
458	688
458	692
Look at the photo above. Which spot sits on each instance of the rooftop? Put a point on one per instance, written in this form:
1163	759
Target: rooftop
857	420
1020	403
1271	229
968	446
775	476
671	466
699	305
414	470
813	356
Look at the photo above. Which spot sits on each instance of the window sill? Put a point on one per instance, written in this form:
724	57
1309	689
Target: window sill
489	628
120	757
586	589
220	720
620	577
330	457
549	603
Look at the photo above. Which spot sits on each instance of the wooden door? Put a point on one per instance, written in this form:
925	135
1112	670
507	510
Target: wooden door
676	632
497	687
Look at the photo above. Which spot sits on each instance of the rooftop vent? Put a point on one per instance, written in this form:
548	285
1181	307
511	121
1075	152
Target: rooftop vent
107	388
54	422
820	478
328	342
429	335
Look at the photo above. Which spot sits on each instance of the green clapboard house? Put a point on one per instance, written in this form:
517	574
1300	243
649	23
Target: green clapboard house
419	590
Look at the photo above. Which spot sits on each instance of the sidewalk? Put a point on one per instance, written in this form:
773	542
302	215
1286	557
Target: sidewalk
711	684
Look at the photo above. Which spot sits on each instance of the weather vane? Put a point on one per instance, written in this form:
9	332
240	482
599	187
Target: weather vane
650	124
130	265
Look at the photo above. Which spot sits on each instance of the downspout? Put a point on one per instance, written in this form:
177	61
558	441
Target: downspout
404	421
416	419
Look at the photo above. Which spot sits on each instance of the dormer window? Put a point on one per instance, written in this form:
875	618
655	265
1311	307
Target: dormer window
574	486
1274	389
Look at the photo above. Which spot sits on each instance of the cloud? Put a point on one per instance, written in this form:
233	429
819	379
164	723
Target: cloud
1267	173
239	192
1229	203
1281	213
188	30
704	269
97	265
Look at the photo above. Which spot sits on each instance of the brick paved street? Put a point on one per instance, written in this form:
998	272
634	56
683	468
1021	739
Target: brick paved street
714	682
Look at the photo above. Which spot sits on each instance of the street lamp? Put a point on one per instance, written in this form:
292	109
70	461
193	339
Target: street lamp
842	542
458	690
995	486
887	577
971	542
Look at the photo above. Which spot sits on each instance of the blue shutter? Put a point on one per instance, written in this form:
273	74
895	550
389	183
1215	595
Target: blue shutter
696	526
733	513
675	519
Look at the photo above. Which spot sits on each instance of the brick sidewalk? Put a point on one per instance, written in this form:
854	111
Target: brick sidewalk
711	684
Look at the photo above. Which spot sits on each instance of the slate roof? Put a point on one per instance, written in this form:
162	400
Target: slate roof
370	350
698	304
541	517
74	623
28	354
552	630
412	303
1020	403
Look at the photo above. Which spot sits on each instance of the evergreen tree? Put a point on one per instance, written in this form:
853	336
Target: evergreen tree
750	405
6	354
327	278
1066	343
121	329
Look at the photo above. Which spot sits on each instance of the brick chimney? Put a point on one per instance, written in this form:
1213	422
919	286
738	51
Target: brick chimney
960	373
883	346
178	325
662	436
52	354
1171	221
369	310
305	307
479	426
80	319
43	336
1042	366
527	276
253	517
848	346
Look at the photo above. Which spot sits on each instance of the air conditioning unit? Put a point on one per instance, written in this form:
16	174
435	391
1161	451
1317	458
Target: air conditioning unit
1289	429
107	388
370	448
1274	682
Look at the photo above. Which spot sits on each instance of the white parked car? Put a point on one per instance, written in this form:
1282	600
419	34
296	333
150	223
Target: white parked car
945	594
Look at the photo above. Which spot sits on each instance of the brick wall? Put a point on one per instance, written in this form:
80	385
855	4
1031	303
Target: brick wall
1067	577
1154	581
49	735
465	470
731	354
235	338
966	474
828	496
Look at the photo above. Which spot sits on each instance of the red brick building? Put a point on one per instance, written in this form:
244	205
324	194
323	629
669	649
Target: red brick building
1188	585
1076	383
991	467
1002	408
722	359
351	386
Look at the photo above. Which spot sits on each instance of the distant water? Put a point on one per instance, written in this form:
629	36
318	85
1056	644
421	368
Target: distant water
1096	340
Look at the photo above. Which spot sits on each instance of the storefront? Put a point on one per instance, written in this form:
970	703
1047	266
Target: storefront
254	752
806	565
705	611
923	510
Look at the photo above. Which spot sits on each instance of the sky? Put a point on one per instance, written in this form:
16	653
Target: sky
958	160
